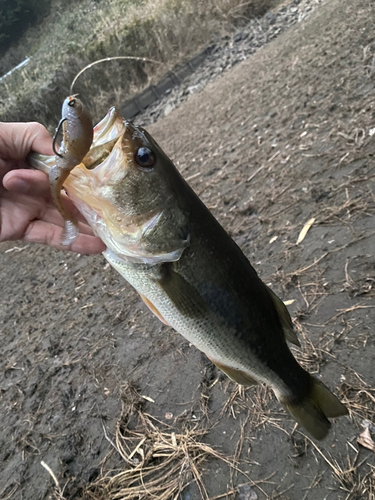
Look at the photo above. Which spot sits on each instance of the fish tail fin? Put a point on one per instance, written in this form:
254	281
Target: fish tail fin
313	412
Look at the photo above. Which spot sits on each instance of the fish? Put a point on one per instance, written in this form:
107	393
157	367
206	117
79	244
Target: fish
77	127
190	273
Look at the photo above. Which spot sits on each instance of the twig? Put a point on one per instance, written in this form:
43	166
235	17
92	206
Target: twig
129	461
50	472
254	174
344	311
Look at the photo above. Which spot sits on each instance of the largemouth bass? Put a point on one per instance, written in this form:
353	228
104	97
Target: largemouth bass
164	241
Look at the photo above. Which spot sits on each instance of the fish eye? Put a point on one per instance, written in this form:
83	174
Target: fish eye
145	158
72	102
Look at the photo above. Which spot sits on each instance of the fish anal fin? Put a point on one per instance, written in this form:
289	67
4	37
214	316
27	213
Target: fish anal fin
153	309
238	376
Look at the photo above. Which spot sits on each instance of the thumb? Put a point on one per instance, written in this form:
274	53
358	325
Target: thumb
17	140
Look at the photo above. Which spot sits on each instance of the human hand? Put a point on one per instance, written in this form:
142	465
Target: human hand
26	209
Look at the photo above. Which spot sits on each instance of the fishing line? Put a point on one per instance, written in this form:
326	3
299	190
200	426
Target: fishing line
134	58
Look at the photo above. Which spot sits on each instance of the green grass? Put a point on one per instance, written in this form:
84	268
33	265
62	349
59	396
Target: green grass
77	33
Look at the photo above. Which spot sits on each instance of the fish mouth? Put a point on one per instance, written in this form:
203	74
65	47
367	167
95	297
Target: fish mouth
112	126
89	187
106	134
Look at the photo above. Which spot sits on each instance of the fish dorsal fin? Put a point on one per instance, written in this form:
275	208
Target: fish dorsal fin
238	376
285	319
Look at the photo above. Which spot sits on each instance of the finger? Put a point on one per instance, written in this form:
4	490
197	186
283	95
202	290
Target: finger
38	139
36	184
52	216
31	182
49	234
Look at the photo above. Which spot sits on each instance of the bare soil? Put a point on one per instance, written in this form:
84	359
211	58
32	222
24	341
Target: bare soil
281	138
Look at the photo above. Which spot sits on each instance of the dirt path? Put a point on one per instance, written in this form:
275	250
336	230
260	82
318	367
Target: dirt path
282	138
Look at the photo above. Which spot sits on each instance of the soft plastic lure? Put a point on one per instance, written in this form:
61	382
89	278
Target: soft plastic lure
77	130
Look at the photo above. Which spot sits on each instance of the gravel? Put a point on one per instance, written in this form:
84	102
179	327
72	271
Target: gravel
229	51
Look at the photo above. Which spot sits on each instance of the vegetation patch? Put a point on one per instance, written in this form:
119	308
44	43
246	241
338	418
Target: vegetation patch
79	33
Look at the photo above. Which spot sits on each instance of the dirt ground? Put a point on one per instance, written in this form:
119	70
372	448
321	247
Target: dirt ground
282	138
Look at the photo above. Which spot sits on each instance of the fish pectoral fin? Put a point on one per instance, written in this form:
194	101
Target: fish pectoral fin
153	309
285	319
184	296
238	376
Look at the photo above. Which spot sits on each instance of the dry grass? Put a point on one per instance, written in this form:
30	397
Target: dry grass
355	484
359	397
253	402
159	460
